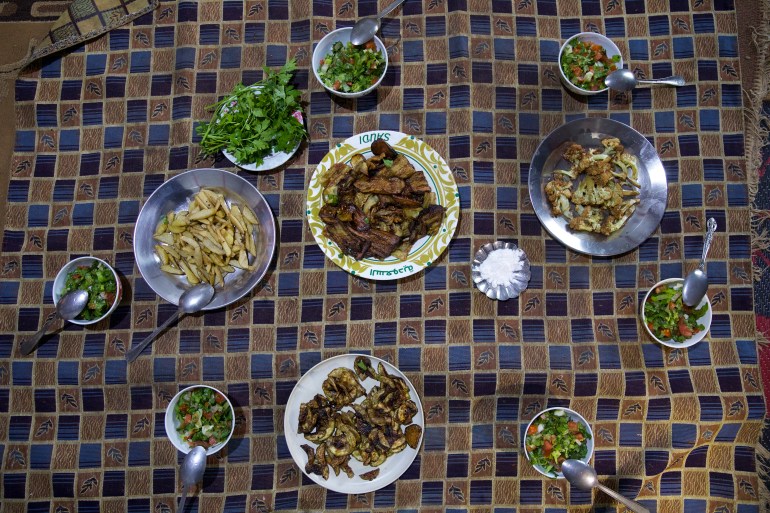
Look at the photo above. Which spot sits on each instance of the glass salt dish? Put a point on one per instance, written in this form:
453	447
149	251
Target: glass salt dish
516	283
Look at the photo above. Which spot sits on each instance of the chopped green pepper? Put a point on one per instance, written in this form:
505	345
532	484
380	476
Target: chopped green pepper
99	282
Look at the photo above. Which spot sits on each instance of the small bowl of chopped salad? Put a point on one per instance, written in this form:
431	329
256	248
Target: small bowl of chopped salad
669	321
95	276
347	70
555	435
585	60
199	415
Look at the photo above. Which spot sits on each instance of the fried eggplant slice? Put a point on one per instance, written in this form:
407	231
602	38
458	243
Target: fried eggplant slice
371	475
412	434
381	147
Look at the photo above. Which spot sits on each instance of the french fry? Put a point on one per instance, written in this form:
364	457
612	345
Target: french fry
248	214
191	277
162	254
201	214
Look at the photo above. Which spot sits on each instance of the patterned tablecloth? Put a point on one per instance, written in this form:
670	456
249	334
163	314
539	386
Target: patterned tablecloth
101	127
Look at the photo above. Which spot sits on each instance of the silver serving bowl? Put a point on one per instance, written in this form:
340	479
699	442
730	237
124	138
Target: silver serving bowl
653	195
175	194
517	283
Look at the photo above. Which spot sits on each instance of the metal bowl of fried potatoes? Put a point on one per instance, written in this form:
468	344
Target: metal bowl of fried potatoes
204	225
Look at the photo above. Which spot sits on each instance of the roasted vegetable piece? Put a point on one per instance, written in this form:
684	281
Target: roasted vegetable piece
369	429
413	433
372	474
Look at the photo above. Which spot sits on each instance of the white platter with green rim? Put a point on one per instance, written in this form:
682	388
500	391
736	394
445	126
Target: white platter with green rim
424	251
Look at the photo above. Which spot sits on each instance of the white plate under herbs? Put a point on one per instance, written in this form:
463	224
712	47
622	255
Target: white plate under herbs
272	161
306	388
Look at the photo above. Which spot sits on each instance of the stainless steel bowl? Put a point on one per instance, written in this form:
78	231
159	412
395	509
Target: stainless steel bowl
589	132
175	194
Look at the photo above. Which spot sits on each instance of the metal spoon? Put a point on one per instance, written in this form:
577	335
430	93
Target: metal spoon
192	300
68	307
624	80
365	28
193	467
583	476
697	283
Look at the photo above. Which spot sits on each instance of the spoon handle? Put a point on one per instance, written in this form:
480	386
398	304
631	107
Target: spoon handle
180	509
711	227
675	80
29	345
137	349
389	8
631	505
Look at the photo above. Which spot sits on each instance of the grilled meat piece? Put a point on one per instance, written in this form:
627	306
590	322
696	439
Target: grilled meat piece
407	202
380	243
418	184
348	241
427	223
380	185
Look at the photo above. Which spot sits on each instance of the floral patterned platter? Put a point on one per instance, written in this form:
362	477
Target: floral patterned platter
426	250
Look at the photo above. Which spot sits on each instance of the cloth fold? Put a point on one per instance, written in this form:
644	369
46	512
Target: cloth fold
81	21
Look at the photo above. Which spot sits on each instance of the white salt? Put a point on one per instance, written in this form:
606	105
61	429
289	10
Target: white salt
501	265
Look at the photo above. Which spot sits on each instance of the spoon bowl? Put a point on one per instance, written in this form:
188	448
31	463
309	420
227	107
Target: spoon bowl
582	475
624	80
366	28
192	470
696	283
192	300
68	307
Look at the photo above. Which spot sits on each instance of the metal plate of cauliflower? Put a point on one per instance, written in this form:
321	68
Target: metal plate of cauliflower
354	423
598	186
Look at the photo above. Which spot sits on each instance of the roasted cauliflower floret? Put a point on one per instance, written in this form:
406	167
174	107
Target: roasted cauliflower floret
559	192
612	145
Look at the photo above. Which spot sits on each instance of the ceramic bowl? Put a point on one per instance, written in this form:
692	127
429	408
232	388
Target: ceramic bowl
573	415
86	261
324	48
705	319
171	423
605	42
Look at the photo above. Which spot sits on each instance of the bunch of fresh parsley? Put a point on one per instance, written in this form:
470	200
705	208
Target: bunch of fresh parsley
257	120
